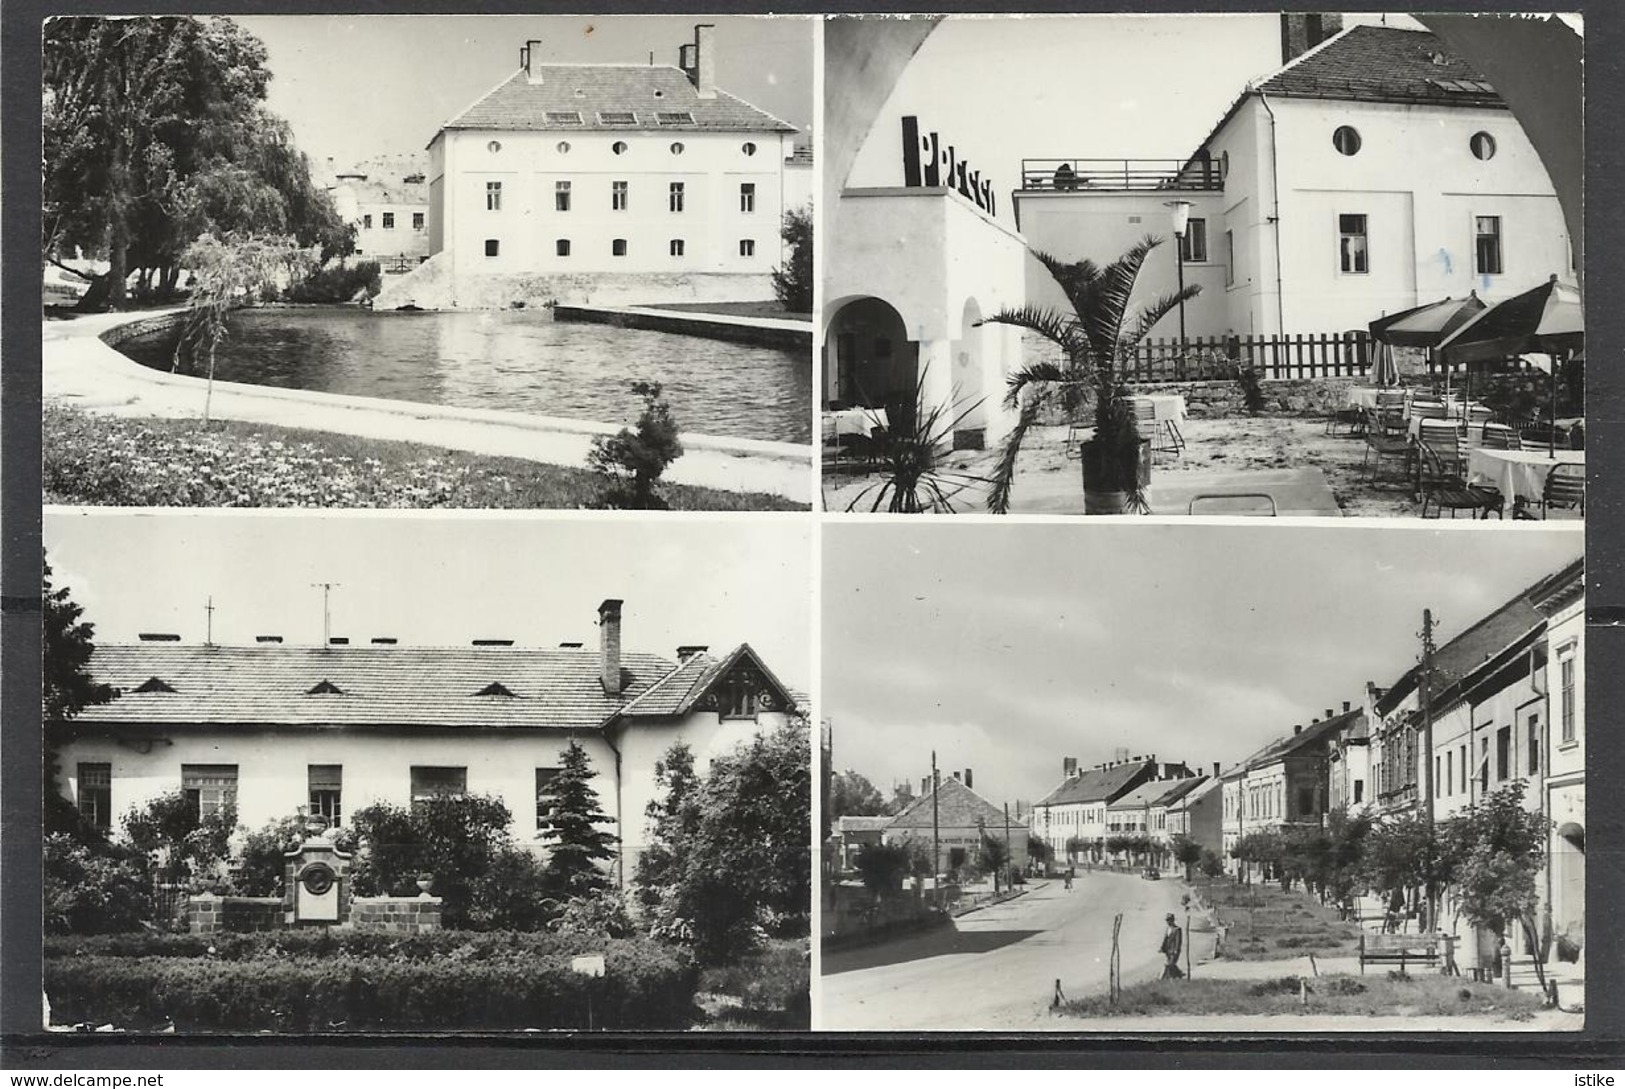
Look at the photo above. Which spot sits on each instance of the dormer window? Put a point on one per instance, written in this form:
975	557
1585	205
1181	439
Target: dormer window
564	117
496	688
617	117
324	688
674	117
155	684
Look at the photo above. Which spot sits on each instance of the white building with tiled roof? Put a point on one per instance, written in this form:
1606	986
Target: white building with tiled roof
386	199
646	179
275	727
1374	172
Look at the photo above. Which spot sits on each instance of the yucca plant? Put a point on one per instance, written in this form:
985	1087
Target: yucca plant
913	479
1093	340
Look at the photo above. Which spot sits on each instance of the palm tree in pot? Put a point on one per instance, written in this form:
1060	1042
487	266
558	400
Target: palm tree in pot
1093	338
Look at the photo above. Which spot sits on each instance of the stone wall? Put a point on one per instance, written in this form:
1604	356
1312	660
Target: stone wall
432	286
1282	396
129	330
396	914
210	914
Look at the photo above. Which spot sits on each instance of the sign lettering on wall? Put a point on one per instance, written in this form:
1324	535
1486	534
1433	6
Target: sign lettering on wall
928	163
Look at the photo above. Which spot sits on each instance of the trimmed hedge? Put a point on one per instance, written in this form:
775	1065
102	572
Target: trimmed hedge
324	942
647	986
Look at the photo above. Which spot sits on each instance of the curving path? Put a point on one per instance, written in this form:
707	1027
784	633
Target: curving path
79	369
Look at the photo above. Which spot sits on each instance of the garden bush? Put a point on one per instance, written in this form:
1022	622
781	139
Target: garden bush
336	284
90	891
646	986
325	942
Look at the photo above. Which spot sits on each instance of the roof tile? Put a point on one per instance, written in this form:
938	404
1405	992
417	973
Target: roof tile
589	90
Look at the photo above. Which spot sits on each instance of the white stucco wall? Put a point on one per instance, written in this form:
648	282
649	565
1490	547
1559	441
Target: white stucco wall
712	166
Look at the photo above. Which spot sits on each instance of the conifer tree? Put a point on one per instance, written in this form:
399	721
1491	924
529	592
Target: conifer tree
576	845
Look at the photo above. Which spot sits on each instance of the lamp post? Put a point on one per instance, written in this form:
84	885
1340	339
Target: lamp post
1179	211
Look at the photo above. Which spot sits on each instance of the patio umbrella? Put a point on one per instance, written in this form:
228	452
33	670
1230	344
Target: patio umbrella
1428	325
1547	319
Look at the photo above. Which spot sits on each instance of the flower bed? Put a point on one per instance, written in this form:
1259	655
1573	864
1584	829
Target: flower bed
110	461
490	982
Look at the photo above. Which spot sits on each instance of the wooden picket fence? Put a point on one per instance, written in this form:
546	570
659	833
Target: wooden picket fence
1310	355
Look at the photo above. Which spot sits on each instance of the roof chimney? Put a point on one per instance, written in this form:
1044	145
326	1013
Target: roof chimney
1301	32
1345	707
267	638
1215	769
968	778
384	640
1296	730
609	645
1069	767
685	59
956	777
1329	711
925	785
158	637
569	646
684	653
530	59
705	60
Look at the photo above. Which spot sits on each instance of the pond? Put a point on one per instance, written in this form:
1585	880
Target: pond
516	361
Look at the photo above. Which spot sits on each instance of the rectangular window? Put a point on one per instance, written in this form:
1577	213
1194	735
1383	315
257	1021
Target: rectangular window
437	782
389	221
96	795
677	247
617	196
1484	764
617	248
1503	754
561	196
1438	773
1351	245
493	196
1306	801
326	789
1449	773
676	197
544	801
209	787
366	222
493	247
561	247
1229	258
417	221
1532	743
1193	247
1359	791
1464	775
747	197
747	247
1487	245
1565	702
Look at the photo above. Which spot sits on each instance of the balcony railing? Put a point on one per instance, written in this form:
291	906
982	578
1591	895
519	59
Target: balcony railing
1105	175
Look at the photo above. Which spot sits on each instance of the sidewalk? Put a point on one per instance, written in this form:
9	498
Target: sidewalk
80	370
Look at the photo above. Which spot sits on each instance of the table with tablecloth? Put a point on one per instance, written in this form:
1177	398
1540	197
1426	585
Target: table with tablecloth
1366	396
1517	473
851	421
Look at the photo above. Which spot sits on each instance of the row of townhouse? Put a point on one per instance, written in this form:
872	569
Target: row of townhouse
1129	798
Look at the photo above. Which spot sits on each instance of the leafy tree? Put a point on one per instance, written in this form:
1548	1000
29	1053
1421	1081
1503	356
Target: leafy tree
745	869
883	866
672	818
1187	852
853	795
1075	846
455	840
185	845
67	689
261	865
576	845
1262	849
634	460
992	856
1211	864
229	272
1093	338
515	892
793	284
1403	854
92	889
1498	849
1037	850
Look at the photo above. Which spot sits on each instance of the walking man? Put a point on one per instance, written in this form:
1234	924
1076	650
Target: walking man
1173	944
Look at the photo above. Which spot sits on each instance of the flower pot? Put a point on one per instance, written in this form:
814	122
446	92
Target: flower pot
1107	482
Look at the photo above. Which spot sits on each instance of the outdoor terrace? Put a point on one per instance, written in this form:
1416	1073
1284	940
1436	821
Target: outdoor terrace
1122	175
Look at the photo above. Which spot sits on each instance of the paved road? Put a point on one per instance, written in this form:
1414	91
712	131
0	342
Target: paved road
996	968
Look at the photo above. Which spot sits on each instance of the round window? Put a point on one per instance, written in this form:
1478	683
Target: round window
1483	145
748	148
563	147
677	148
618	147
1346	140
494	146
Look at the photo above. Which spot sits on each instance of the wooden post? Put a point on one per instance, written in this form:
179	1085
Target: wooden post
1114	966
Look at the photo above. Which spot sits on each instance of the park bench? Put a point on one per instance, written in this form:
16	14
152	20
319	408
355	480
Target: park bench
1401	949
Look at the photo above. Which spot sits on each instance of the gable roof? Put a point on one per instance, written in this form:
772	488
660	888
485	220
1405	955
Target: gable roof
1180	789
958	806
1146	794
694	678
272	684
1099	784
1520	618
588	90
1383	64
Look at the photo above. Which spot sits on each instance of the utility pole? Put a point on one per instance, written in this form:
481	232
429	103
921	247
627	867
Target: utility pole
327	619
1425	695
1009	858
936	841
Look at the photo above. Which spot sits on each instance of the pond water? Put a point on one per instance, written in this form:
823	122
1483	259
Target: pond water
514	361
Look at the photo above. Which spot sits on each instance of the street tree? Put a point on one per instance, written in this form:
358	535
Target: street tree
1187	852
577	846
883	866
853	795
1404	857
1497	849
992	856
68	688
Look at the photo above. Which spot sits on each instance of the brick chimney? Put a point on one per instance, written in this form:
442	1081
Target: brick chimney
684	653
1302	31
609	645
1345	707
1296	730
968	782
1069	767
1215	769
704	74
530	58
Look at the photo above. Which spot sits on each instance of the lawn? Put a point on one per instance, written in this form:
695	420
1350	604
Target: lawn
111	461
1268	924
1395	994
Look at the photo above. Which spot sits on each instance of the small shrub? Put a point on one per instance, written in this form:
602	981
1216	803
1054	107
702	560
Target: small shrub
1267	987
336	284
1465	994
261	865
773	985
89	891
632	461
1344	985
1399	975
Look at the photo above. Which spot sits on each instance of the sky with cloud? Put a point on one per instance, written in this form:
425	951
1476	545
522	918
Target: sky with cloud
1008	647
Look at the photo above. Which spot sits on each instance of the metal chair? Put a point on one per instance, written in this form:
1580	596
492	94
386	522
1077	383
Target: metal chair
1385	437
1565	488
1501	437
1422	408
1264	509
1162	436
1445	489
